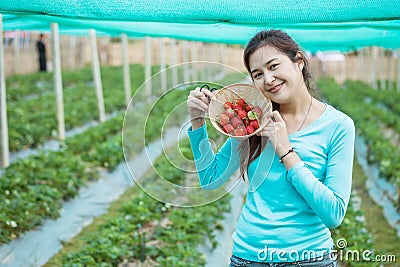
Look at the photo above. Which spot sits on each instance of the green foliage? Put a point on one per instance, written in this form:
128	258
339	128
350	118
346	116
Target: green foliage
377	112
145	228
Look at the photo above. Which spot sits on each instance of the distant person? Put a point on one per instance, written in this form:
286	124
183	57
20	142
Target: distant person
41	47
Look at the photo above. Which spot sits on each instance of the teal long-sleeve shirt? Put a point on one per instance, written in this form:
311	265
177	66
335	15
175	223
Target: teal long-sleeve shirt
287	214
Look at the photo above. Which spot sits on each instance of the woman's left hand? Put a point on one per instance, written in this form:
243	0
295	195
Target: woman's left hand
276	132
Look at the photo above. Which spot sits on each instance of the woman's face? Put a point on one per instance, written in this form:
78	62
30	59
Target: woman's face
275	75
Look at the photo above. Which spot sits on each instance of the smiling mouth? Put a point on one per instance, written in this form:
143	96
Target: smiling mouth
275	88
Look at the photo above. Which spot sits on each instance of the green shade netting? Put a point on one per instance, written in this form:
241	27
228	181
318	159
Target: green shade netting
196	11
316	25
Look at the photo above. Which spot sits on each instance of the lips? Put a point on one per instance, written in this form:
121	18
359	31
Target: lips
275	88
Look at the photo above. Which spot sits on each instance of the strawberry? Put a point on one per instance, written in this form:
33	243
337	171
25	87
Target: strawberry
242	114
223	119
236	107
258	111
228	128
228	104
248	107
241	102
249	129
236	122
230	112
254	124
239	131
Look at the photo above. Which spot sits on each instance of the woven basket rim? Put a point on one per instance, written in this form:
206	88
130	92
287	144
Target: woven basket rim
262	122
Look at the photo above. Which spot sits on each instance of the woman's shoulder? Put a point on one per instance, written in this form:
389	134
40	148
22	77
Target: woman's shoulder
338	118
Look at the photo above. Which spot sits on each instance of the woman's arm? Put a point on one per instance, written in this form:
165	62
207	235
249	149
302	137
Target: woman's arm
330	198
213	169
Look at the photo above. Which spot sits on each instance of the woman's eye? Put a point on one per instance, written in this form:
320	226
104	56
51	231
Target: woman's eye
257	75
273	66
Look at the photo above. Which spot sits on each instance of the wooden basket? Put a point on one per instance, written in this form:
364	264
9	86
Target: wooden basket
234	92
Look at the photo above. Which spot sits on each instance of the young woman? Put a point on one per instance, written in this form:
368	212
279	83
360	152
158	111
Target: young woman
299	167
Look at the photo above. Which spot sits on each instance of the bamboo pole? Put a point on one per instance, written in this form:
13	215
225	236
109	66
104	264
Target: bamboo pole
193	52
382	67
390	71
97	75
126	72
223	58
58	80
16	48
374	54
148	65
361	64
72	47
163	65
186	72
398	70
174	59
5	161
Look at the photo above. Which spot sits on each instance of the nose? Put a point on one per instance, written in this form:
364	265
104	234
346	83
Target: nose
269	78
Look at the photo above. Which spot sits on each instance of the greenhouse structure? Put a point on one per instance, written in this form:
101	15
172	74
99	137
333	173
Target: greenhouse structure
97	162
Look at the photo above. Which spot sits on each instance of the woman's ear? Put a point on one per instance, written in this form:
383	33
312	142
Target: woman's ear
300	60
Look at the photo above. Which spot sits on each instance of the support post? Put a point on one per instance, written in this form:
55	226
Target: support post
374	56
147	78
163	65
97	75
5	161
398	70
194	64
16	48
174	58
382	67
126	72
55	38
186	73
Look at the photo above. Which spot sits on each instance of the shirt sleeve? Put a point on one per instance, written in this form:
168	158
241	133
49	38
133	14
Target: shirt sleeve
329	199
213	169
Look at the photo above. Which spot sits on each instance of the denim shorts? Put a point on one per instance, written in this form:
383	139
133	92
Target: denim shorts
326	261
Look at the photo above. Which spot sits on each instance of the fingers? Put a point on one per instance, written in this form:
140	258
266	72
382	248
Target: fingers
197	103
208	93
198	99
275	125
277	116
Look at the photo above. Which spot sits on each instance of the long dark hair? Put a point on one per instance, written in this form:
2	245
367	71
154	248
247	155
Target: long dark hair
251	148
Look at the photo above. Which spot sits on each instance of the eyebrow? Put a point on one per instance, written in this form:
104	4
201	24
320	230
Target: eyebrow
269	61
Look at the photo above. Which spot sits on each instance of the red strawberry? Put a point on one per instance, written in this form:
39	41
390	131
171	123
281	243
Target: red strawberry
248	107
237	107
249	129
228	104
239	131
258	111
230	112
241	102
223	119
228	128
236	122
254	124
242	114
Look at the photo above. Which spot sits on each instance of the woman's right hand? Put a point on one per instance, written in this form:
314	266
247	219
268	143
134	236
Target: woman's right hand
197	103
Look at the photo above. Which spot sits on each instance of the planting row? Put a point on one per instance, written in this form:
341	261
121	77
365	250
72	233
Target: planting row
369	119
32	120
149	233
34	188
